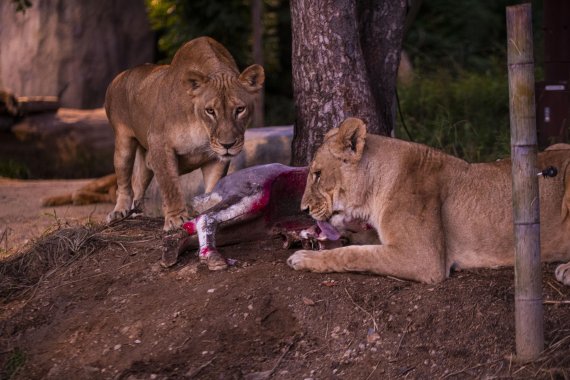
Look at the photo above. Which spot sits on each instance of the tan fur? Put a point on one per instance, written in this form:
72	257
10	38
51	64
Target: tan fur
432	211
100	190
177	118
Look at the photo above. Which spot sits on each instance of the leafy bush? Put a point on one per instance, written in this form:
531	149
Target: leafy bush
13	169
465	114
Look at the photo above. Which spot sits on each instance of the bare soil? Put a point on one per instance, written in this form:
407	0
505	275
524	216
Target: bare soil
93	302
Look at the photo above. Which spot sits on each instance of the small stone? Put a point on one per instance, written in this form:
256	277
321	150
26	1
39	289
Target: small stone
211	290
308	301
138	341
117	347
250	307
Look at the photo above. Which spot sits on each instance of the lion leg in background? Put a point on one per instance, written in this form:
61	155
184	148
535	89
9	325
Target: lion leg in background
124	157
142	176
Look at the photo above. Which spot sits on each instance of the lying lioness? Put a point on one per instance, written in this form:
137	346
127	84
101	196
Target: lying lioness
176	118
432	211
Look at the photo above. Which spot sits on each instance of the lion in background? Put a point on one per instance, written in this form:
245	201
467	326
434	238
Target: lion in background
99	190
177	118
433	212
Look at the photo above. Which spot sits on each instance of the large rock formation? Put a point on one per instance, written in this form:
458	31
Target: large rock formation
71	49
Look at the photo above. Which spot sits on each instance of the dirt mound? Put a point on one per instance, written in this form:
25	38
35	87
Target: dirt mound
94	303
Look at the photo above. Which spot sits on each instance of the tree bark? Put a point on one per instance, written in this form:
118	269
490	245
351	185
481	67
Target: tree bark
345	59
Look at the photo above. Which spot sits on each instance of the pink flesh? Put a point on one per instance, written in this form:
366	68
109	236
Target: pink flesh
190	227
328	230
205	251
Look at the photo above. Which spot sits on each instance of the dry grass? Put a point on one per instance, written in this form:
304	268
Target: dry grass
61	246
46	255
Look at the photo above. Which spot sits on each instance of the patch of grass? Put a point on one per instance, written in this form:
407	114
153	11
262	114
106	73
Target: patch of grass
15	361
13	169
465	114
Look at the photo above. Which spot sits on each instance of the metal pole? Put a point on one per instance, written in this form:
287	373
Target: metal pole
526	211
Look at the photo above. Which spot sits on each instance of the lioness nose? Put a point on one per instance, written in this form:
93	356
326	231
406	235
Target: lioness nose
229	145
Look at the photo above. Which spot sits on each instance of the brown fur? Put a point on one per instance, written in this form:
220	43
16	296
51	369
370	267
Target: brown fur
432	211
100	190
176	118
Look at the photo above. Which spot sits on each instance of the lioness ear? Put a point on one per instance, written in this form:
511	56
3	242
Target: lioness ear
252	78
194	81
349	141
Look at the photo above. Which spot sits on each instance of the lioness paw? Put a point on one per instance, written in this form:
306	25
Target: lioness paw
563	273
173	222
117	215
299	260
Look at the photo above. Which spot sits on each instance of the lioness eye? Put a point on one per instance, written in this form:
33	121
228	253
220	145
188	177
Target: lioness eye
210	111
239	110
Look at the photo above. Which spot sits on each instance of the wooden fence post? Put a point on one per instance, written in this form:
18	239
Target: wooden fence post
526	211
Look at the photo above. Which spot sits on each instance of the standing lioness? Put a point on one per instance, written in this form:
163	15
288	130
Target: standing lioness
432	211
176	118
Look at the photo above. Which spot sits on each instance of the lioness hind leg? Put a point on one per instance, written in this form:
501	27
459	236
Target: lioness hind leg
563	273
125	148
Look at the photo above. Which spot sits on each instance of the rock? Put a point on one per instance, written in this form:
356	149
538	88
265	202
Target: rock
71	50
70	143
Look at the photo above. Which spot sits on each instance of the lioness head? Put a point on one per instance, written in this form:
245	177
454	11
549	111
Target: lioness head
338	156
224	102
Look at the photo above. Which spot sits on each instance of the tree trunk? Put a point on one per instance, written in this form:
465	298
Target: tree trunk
345	60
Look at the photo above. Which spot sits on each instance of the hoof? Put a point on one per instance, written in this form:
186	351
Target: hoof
214	260
169	258
172	246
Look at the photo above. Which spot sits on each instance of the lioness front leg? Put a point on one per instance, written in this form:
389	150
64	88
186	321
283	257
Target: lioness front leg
424	266
212	172
164	164
123	159
142	176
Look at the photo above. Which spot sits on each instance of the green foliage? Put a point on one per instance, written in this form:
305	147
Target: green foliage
464	34
229	22
458	101
13	169
464	114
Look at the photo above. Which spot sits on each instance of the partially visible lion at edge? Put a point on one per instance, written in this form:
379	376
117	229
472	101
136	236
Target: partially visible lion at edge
433	212
177	118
